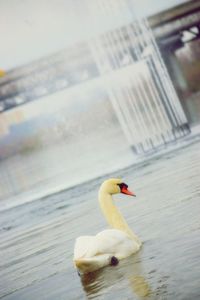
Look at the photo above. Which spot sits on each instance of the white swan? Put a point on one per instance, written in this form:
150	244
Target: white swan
108	246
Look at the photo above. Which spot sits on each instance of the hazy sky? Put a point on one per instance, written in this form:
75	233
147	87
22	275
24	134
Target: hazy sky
30	29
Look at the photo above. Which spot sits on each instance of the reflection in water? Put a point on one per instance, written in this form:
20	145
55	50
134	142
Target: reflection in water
92	282
138	282
140	286
128	273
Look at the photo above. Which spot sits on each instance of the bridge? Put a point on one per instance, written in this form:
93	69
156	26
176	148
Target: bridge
76	64
169	26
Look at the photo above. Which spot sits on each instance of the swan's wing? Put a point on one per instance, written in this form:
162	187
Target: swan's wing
116	242
85	246
86	255
104	242
111	242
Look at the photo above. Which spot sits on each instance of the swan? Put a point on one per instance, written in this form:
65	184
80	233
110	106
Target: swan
111	245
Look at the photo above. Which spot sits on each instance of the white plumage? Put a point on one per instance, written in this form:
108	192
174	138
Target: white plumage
94	252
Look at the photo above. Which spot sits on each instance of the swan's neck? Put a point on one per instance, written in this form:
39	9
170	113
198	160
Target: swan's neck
112	214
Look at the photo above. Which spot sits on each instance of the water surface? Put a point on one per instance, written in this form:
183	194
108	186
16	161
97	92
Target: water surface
37	238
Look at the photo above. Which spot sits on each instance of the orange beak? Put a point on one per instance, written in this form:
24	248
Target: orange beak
124	190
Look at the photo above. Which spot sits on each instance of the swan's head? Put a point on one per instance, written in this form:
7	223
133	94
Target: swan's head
115	186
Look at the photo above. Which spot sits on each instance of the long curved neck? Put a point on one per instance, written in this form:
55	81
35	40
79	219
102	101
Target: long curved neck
113	215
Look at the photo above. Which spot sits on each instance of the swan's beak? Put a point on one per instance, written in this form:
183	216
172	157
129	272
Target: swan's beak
125	190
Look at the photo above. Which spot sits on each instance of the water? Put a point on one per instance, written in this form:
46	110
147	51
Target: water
28	176
37	238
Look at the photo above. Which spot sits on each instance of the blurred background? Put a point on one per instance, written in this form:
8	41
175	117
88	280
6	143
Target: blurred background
91	89
61	119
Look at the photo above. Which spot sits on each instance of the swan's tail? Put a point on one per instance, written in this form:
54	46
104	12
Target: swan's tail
87	265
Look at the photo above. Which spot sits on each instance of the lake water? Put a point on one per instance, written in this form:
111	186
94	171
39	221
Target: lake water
37	238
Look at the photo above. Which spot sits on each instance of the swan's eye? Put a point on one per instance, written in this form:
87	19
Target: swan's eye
123	185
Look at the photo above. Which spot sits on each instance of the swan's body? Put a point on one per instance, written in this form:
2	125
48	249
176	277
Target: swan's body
94	252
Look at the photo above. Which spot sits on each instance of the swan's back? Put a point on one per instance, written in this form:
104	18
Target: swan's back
94	252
